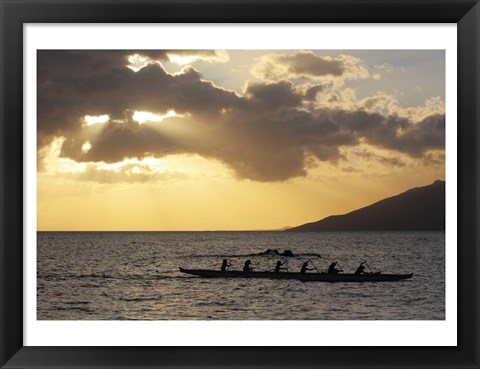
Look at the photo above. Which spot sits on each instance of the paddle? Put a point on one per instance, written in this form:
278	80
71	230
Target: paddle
340	267
371	271
314	265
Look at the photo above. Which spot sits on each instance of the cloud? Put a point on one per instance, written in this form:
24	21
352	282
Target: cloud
434	158
84	63
98	83
184	57
311	91
394	132
351	169
386	161
381	102
386	67
274	95
129	173
306	65
273	132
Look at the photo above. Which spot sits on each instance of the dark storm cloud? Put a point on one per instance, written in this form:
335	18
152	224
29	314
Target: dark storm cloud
266	135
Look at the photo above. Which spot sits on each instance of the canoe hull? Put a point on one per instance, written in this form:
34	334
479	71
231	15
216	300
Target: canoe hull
306	277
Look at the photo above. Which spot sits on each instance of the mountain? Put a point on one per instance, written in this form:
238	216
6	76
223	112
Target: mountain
418	209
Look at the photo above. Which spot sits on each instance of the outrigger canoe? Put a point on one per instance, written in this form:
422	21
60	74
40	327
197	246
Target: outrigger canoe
306	277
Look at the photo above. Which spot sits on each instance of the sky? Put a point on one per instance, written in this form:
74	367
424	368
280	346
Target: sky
194	140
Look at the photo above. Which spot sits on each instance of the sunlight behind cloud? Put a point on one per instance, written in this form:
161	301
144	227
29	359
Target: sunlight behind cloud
182	59
90	120
137	62
153	165
56	164
144	116
219	56
132	170
86	147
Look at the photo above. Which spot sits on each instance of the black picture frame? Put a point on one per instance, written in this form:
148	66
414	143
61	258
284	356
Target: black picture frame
15	13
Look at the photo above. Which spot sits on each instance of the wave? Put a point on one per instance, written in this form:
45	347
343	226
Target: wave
64	277
77	276
76	302
78	308
131	299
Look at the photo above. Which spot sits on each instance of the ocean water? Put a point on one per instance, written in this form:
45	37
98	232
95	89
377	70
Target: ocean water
135	276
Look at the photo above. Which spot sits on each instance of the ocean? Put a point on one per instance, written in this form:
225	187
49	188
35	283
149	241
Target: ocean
135	276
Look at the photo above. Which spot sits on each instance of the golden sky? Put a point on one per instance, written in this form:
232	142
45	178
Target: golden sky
232	140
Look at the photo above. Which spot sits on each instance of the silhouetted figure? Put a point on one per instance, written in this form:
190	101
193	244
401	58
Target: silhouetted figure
278	267
361	269
225	265
305	267
246	266
332	269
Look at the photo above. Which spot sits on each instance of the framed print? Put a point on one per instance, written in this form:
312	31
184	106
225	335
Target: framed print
228	184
